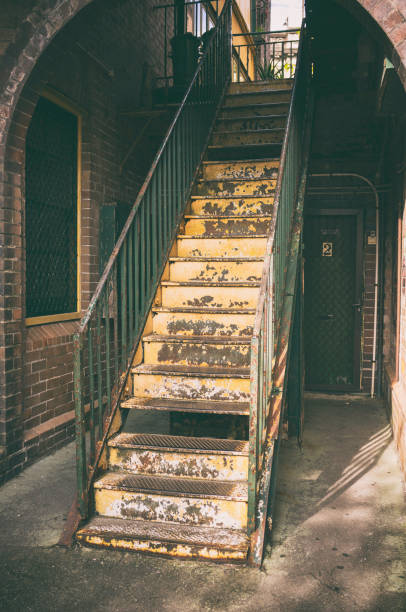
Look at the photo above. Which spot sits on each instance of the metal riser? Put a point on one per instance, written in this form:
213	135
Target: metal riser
278	108
223	227
209	297
202	324
215	247
251	123
166	463
260	86
232	187
239	139
240	170
215	271
190	387
234	206
184	510
257	98
199	354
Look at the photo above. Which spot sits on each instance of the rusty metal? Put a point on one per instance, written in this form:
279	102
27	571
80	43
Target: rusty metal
145	241
274	310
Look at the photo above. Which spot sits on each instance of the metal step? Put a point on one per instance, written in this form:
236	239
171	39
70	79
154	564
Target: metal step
192	372
221	227
168	539
232	207
214	446
259	109
236	246
235	187
193	406
216	351
247	138
174	487
240	169
203	321
179	456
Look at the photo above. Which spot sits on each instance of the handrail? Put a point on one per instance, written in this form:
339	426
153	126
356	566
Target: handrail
110	330
270	343
282	163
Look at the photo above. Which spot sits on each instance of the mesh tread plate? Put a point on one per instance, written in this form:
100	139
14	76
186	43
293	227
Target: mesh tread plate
178	405
180	443
173	487
169	532
191	371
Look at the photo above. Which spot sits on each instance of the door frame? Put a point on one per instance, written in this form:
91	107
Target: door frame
358	213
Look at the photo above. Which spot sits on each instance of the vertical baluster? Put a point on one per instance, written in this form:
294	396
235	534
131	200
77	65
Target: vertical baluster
130	276
107	340
253	434
164	196
123	305
115	320
160	237
80	429
142	259
99	372
92	430
154	226
137	264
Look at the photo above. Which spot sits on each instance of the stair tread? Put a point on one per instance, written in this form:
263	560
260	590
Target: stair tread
254	216
166	532
254	105
233	236
258	131
242	161
173	486
179	443
253	117
202	310
179	339
259	93
210	284
239	145
181	405
191	371
225	259
243	196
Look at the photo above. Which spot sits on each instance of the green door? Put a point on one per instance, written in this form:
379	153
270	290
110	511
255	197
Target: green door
332	248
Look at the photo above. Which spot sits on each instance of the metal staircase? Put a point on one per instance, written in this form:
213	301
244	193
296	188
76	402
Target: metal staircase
201	347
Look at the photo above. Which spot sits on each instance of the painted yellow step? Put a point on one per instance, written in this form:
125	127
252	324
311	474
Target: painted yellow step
232	206
247	138
210	295
215	269
188	382
199	246
234	187
225	226
216	351
177	500
260	86
166	455
253	122
255	169
204	321
260	97
168	539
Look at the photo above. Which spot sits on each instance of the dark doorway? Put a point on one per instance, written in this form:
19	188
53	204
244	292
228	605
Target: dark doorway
332	295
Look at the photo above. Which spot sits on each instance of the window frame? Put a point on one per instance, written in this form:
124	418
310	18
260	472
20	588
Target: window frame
63	102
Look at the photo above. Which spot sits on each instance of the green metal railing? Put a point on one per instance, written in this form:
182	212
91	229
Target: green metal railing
270	342
110	331
264	57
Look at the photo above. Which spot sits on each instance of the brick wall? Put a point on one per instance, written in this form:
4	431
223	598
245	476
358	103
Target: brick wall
37	414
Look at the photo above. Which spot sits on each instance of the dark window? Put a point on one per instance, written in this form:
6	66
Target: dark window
51	211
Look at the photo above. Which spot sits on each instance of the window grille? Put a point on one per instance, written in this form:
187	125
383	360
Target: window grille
51	211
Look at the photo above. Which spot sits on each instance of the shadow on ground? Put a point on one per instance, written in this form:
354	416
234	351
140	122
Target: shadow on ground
338	541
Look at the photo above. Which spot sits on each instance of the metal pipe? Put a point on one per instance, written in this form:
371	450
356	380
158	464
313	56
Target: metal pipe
372	186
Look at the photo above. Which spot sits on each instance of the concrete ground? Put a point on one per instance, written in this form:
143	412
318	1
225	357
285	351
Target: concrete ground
339	539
